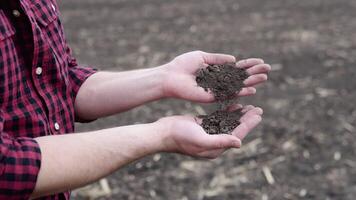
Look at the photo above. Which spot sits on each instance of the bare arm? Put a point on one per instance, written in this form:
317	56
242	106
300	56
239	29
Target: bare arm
107	93
71	161
74	160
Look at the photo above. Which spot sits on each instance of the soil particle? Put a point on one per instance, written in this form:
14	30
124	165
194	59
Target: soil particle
224	81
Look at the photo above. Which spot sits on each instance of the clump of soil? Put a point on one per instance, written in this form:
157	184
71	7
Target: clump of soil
224	81
221	121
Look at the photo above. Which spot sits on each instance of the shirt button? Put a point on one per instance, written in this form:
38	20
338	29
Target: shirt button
53	7
56	126
16	13
39	70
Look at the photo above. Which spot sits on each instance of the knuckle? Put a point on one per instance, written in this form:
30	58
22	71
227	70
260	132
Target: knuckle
198	52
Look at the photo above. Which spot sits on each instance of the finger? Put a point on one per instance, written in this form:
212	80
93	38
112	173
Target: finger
220	141
215	58
247	91
247	108
234	107
259	69
246	126
253	111
255	79
247	63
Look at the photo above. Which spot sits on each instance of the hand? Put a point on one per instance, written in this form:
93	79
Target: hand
179	80
183	134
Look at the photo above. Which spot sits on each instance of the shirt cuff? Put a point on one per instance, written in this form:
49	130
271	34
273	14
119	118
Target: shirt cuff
77	76
20	165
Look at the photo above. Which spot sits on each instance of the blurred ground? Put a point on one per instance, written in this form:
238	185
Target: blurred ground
305	148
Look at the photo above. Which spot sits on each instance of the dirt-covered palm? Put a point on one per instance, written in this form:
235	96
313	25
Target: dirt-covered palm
179	80
185	135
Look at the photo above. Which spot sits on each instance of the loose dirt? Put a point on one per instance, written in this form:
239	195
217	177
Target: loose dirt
225	82
221	121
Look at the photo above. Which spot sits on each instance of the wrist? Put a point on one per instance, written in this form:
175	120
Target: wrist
163	73
143	140
162	129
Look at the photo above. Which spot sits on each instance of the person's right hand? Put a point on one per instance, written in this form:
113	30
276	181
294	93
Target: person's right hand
180	74
183	134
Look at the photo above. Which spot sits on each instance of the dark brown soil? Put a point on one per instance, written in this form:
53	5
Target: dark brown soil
224	81
221	121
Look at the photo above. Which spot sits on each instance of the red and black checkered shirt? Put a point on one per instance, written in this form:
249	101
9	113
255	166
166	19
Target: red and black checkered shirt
39	80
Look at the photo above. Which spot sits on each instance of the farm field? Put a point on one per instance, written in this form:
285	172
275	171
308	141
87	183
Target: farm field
305	147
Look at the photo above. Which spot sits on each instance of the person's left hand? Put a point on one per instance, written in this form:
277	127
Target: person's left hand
184	134
179	79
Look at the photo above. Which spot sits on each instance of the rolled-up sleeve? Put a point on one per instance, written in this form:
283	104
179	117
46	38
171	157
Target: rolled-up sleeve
20	162
78	74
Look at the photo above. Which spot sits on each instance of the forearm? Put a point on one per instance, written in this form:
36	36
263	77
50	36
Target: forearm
107	93
74	160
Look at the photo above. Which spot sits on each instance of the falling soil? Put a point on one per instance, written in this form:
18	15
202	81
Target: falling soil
225	82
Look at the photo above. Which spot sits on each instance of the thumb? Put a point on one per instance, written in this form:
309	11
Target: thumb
221	141
215	58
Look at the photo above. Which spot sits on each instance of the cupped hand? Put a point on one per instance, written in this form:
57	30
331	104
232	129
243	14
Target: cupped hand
179	79
183	134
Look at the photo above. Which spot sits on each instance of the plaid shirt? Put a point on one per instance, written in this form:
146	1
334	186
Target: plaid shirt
39	80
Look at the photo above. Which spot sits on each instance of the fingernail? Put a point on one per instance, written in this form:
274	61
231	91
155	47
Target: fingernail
237	143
